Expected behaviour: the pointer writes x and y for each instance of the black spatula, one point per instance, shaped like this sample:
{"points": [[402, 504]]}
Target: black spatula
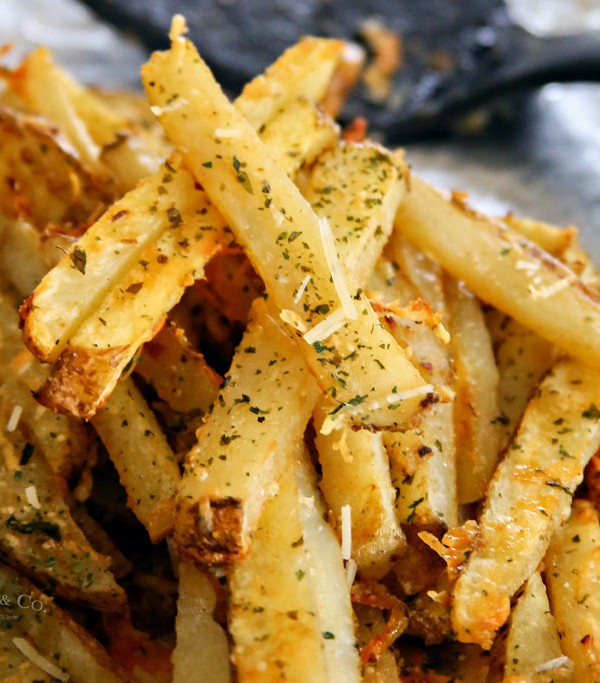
{"points": [[458, 54]]}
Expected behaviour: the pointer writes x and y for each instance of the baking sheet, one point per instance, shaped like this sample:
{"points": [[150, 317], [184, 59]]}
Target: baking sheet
{"points": [[545, 165]]}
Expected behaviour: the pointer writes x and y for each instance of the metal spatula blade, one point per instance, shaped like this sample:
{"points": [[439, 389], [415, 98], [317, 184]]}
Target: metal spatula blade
{"points": [[457, 54]]}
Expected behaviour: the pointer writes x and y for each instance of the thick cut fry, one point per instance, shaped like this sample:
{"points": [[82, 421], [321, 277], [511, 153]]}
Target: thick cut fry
{"points": [[37, 533], [528, 498], [476, 409], [529, 648], [355, 475], [56, 643], [179, 374], [290, 610], [297, 134], [261, 412], [73, 290], [21, 261], [572, 571], [141, 454], [285, 241], [550, 238], [66, 443], [202, 650], [355, 187], [304, 70], [504, 269], [422, 459], [42, 179], [523, 358]]}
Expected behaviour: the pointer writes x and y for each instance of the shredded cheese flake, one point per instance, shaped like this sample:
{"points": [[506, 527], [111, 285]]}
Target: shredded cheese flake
{"points": [[14, 418], [351, 569], [172, 106], [552, 664], [528, 266], [410, 393], [32, 497], [335, 267], [228, 132], [346, 516], [27, 650], [545, 292], [327, 327], [301, 289]]}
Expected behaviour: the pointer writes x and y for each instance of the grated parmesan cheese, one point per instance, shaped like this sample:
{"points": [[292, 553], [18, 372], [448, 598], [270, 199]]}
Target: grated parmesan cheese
{"points": [[27, 650], [32, 497], [14, 418], [410, 393], [327, 327], [171, 106], [335, 267], [351, 569], [528, 266], [346, 515], [545, 292], [301, 289], [552, 664], [228, 132]]}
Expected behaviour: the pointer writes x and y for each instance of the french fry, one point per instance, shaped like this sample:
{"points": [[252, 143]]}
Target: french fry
{"points": [[422, 459], [51, 185], [102, 256], [573, 577], [529, 648], [38, 535], [297, 134], [290, 610], [550, 238], [355, 475], [355, 187], [179, 374], [50, 638], [528, 497], [233, 166], [139, 450], [305, 69], [504, 269], [476, 409], [66, 443], [523, 358], [265, 401], [202, 650]]}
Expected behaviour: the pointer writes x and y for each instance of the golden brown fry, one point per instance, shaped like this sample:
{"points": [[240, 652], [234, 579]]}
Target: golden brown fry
{"points": [[202, 650], [572, 574], [290, 610], [266, 401], [141, 454], [529, 648], [476, 409], [59, 644], [504, 269], [37, 533], [528, 498]]}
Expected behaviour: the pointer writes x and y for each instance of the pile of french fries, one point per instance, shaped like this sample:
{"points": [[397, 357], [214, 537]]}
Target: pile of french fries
{"points": [[359, 419]]}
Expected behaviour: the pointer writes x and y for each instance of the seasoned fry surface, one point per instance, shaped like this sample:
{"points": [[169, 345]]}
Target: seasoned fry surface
{"points": [[278, 409]]}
